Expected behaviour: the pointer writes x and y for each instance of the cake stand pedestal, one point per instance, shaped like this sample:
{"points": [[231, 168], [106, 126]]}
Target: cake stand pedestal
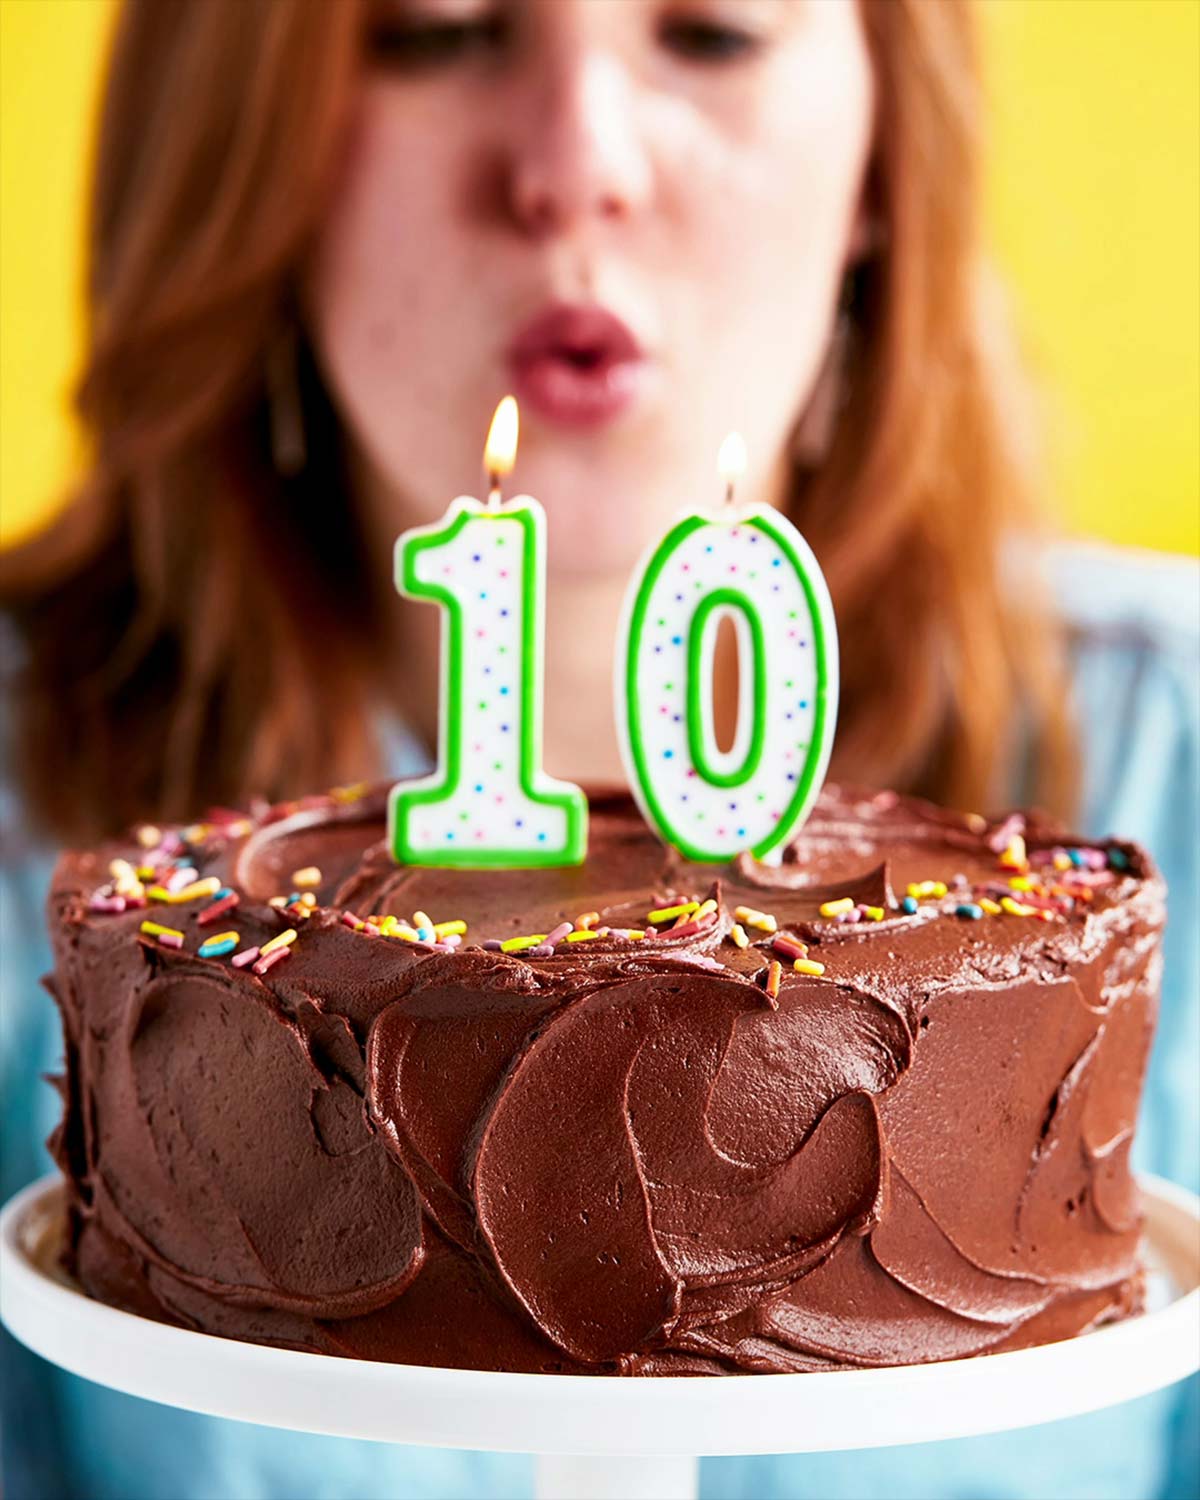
{"points": [[604, 1437]]}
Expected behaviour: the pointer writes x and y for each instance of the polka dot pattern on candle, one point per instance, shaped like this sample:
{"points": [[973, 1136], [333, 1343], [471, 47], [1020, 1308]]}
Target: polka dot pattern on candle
{"points": [[488, 804], [756, 569]]}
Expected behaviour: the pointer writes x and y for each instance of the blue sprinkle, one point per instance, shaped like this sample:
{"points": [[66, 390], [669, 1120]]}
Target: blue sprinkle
{"points": [[426, 934], [223, 892], [909, 906], [449, 833], [708, 548], [504, 614], [520, 822], [668, 755], [483, 593], [479, 786], [1118, 859], [741, 833], [677, 640], [218, 948], [475, 557], [541, 838], [777, 562], [1076, 856], [504, 692], [969, 911], [804, 703]]}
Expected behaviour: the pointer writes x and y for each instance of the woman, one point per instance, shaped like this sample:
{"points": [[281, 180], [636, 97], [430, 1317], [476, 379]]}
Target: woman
{"points": [[326, 238]]}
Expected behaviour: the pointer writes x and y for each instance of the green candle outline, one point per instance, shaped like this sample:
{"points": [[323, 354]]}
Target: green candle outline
{"points": [[823, 631], [542, 790]]}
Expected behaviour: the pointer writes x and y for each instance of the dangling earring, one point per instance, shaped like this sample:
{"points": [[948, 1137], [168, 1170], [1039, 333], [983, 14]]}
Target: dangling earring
{"points": [[289, 451]]}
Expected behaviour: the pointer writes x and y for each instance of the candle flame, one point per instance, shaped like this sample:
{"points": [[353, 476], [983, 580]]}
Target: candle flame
{"points": [[500, 451], [731, 460]]}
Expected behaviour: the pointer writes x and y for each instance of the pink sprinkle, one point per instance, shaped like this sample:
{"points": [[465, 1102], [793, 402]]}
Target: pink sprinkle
{"points": [[107, 903], [269, 959], [452, 940], [543, 950], [558, 934], [181, 878], [350, 920], [218, 908], [170, 940], [246, 956], [689, 929]]}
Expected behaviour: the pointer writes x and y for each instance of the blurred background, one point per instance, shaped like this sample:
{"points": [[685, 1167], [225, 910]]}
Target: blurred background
{"points": [[1093, 204]]}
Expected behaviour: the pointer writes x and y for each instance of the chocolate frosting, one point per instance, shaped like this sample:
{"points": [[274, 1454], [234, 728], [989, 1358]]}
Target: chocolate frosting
{"points": [[620, 1155]]}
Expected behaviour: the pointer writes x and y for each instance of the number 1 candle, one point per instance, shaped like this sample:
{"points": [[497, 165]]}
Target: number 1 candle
{"points": [[749, 564], [488, 804]]}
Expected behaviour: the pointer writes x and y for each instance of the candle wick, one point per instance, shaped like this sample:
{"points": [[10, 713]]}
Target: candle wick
{"points": [[729, 493], [493, 499]]}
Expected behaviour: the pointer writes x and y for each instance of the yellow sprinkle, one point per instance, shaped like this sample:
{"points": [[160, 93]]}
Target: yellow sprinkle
{"points": [[992, 908], [277, 901], [148, 836], [448, 929], [738, 933], [349, 793], [388, 925], [589, 919], [422, 919], [209, 886], [402, 930], [833, 908], [145, 872], [665, 913], [580, 936], [156, 929], [874, 912], [1016, 908], [239, 829], [306, 879], [774, 974], [515, 945], [1014, 857], [222, 937], [122, 869], [808, 966], [1022, 882], [1062, 862], [915, 889], [308, 899], [762, 920], [937, 888], [704, 909], [283, 940], [634, 932]]}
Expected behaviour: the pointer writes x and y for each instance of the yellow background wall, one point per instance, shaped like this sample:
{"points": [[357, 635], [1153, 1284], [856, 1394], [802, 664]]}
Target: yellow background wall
{"points": [[1094, 203]]}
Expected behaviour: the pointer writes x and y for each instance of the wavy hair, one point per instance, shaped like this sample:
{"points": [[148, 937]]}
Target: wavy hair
{"points": [[192, 623]]}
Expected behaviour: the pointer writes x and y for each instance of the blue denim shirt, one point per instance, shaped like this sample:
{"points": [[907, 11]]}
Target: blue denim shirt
{"points": [[1135, 620]]}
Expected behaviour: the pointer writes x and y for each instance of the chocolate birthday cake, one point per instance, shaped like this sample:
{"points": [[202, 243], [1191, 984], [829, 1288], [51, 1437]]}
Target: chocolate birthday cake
{"points": [[871, 1106]]}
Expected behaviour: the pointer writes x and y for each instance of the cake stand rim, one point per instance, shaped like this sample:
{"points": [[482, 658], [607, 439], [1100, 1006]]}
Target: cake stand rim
{"points": [[594, 1414]]}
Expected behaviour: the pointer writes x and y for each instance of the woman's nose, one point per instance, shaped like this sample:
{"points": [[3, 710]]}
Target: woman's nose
{"points": [[579, 154]]}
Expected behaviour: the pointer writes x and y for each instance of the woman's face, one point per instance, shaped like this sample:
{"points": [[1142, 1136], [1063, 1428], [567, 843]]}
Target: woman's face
{"points": [[633, 214]]}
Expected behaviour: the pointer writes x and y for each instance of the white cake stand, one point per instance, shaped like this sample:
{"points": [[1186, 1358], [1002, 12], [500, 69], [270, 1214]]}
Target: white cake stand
{"points": [[638, 1438]]}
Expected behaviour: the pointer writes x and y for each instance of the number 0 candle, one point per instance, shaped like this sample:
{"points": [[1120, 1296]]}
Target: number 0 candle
{"points": [[748, 564], [489, 803]]}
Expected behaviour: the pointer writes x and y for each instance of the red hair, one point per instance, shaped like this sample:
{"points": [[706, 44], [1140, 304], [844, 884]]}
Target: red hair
{"points": [[193, 626]]}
